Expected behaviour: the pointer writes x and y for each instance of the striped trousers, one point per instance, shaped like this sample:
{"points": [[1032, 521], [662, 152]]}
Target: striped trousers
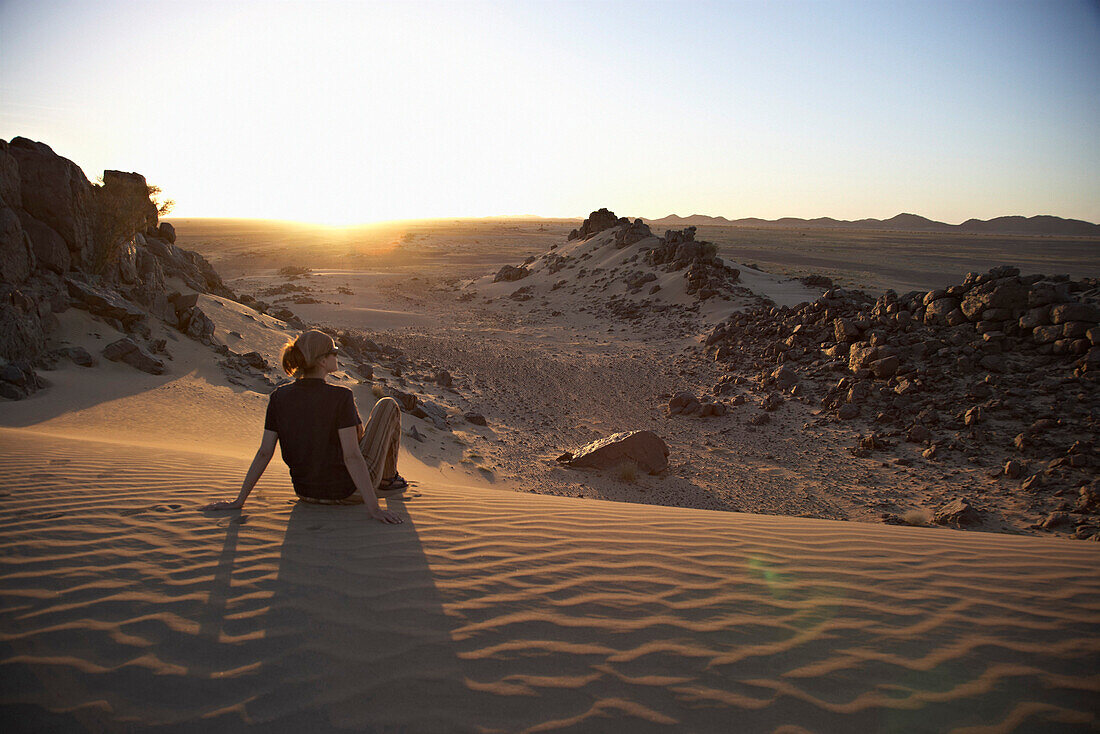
{"points": [[381, 440]]}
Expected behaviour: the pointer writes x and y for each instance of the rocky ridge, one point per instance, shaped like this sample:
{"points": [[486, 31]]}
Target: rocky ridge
{"points": [[620, 271]]}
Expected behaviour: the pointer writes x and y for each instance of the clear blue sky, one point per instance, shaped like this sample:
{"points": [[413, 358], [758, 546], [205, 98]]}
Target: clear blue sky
{"points": [[353, 112]]}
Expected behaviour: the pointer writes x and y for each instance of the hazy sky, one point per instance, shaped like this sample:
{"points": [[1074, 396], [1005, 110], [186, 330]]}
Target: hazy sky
{"points": [[359, 111]]}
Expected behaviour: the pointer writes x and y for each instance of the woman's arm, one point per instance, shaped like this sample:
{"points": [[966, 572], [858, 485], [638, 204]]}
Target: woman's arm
{"points": [[360, 474], [259, 464]]}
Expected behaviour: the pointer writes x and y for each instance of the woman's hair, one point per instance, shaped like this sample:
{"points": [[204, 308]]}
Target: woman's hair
{"points": [[300, 354]]}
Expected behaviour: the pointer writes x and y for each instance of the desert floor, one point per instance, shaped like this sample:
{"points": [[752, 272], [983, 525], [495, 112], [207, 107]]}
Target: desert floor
{"points": [[498, 606], [553, 373]]}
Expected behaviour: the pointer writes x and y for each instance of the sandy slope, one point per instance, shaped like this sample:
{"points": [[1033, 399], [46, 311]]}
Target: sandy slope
{"points": [[499, 611]]}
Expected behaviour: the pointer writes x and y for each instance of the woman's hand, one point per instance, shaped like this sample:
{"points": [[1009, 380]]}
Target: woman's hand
{"points": [[225, 505], [385, 516]]}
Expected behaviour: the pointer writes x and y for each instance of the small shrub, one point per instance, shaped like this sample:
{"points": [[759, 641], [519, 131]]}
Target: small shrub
{"points": [[917, 518]]}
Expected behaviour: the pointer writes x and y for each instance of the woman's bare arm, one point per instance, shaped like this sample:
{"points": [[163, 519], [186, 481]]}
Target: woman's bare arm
{"points": [[360, 474], [259, 464]]}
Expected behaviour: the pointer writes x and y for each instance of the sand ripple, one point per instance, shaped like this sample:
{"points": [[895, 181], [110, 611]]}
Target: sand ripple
{"points": [[123, 607]]}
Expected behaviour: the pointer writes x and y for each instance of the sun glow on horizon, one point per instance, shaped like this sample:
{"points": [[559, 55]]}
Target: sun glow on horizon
{"points": [[346, 113]]}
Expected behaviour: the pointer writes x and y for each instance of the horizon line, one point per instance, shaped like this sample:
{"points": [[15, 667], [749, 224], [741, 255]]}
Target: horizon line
{"points": [[380, 222]]}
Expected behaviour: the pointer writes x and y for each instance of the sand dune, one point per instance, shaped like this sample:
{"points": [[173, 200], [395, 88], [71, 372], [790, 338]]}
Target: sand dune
{"points": [[124, 607]]}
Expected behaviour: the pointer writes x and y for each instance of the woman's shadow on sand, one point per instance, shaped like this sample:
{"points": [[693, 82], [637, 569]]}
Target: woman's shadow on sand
{"points": [[350, 632]]}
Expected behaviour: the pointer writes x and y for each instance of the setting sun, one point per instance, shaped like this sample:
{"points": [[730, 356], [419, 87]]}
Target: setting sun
{"points": [[346, 112]]}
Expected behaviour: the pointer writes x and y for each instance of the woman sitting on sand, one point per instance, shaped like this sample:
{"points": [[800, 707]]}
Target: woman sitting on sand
{"points": [[333, 458]]}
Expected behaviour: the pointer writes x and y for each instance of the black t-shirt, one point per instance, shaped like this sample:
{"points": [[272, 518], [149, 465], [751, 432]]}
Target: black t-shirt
{"points": [[307, 414]]}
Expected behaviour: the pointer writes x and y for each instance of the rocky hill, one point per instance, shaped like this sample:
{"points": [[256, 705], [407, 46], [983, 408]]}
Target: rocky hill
{"points": [[616, 267]]}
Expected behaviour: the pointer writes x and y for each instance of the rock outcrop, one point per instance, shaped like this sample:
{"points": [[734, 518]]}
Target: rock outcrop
{"points": [[56, 252], [597, 222], [706, 273]]}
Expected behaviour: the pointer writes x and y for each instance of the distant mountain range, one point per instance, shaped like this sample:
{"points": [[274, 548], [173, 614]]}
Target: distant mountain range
{"points": [[1038, 225]]}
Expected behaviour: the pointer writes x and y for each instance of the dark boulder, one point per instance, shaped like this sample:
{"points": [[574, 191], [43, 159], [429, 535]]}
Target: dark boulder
{"points": [[643, 448]]}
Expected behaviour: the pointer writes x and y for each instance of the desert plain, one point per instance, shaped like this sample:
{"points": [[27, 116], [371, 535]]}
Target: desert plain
{"points": [[799, 572]]}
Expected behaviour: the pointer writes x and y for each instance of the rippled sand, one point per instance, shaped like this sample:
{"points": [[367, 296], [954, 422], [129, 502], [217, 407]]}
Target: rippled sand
{"points": [[124, 608]]}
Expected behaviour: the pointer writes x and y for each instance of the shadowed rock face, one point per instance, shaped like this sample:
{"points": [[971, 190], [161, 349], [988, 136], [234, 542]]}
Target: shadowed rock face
{"points": [[56, 192], [644, 448], [50, 250], [16, 252]]}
